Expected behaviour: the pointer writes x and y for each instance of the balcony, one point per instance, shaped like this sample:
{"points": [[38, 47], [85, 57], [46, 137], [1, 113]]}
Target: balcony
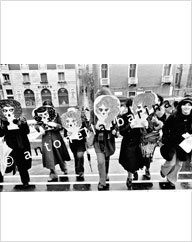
{"points": [[104, 81], [43, 82], [167, 79], [6, 83], [26, 83], [132, 81], [62, 82]]}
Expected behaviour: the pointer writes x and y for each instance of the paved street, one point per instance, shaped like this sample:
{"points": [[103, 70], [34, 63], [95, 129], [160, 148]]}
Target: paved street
{"points": [[117, 175]]}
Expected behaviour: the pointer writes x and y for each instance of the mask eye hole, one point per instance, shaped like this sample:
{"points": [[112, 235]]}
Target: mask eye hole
{"points": [[5, 110], [100, 109]]}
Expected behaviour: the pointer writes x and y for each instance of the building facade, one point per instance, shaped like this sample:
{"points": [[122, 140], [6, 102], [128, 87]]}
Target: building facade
{"points": [[31, 84], [127, 80]]}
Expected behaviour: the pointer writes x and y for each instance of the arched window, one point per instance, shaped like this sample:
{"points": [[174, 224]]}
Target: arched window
{"points": [[46, 95], [63, 96], [29, 98]]}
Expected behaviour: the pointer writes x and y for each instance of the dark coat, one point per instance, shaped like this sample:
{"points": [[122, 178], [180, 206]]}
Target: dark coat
{"points": [[104, 140], [176, 125], [18, 141], [130, 152], [54, 150]]}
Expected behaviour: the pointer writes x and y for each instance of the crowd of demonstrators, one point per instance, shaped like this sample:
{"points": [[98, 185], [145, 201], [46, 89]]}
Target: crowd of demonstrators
{"points": [[167, 126], [54, 150]]}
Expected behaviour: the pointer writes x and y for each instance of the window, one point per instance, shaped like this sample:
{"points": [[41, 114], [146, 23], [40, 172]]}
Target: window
{"points": [[14, 67], [131, 94], [29, 98], [6, 77], [51, 66], [167, 70], [44, 78], [46, 95], [33, 66], [9, 92], [63, 96], [132, 70], [26, 78], [69, 66], [178, 75], [61, 76], [104, 71], [10, 97]]}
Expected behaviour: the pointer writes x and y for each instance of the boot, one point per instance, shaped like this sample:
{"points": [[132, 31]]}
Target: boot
{"points": [[147, 175], [53, 176], [135, 176]]}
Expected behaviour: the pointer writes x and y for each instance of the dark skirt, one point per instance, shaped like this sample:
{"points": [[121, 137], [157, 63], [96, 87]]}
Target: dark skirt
{"points": [[130, 156]]}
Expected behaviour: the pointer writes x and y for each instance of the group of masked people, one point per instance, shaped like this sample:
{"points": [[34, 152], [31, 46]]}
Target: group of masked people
{"points": [[163, 129], [137, 145]]}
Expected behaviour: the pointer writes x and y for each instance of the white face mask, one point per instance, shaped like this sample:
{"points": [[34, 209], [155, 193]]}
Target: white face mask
{"points": [[44, 117], [71, 123], [186, 108], [9, 113]]}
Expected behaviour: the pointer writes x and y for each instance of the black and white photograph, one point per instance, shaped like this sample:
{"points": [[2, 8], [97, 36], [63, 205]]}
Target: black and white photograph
{"points": [[83, 127], [95, 152]]}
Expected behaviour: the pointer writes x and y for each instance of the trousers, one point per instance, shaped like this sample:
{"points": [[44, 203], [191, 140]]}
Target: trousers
{"points": [[170, 169]]}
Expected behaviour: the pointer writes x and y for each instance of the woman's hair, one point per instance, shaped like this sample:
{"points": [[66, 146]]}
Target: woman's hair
{"points": [[50, 110], [48, 103], [161, 99], [103, 91], [11, 103], [128, 104], [175, 104]]}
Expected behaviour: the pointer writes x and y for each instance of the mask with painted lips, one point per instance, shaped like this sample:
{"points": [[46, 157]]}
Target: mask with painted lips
{"points": [[44, 117], [9, 113]]}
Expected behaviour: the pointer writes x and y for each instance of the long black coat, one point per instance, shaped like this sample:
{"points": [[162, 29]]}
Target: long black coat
{"points": [[54, 150], [18, 141], [176, 125], [130, 153]]}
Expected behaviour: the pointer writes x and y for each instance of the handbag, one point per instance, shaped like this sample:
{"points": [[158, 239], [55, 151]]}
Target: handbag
{"points": [[90, 139], [152, 137]]}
